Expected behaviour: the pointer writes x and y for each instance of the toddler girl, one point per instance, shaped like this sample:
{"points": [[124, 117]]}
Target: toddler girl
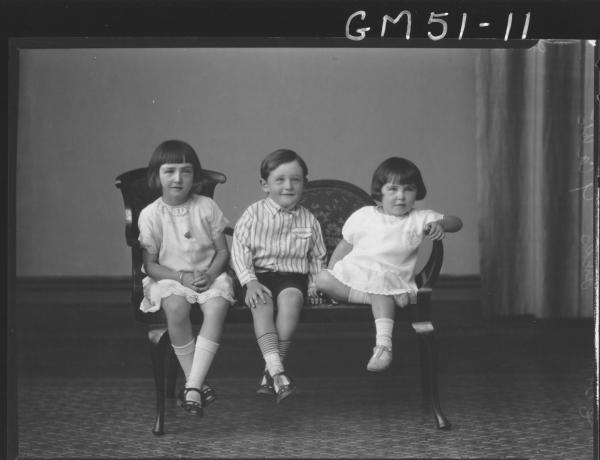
{"points": [[184, 254], [375, 260]]}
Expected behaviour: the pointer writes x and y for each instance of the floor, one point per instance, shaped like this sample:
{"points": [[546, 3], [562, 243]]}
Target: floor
{"points": [[516, 388]]}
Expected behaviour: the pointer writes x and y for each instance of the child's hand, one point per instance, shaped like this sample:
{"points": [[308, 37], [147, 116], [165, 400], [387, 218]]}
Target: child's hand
{"points": [[435, 230], [202, 280], [314, 296], [187, 280], [256, 293]]}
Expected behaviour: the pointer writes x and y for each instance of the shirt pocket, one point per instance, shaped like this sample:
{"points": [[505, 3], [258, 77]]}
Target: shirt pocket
{"points": [[301, 237], [302, 232]]}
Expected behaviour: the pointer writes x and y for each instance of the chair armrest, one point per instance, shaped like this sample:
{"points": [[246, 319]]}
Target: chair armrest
{"points": [[124, 183], [129, 229], [428, 276]]}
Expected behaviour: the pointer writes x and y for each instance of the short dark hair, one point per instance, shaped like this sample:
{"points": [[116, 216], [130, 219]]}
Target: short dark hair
{"points": [[275, 159], [171, 151], [399, 171]]}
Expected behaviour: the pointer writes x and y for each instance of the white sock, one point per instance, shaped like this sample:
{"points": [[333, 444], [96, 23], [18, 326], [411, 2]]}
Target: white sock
{"points": [[284, 346], [185, 356], [203, 358], [355, 296], [269, 347], [384, 328], [273, 363]]}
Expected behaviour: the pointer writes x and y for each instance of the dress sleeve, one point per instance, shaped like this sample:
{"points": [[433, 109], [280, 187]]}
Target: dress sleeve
{"points": [[241, 253], [427, 216], [150, 234], [351, 225], [218, 221]]}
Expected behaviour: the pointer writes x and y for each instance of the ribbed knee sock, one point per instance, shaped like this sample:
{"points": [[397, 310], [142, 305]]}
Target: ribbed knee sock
{"points": [[355, 296], [203, 357], [284, 346], [185, 356], [384, 328], [269, 347]]}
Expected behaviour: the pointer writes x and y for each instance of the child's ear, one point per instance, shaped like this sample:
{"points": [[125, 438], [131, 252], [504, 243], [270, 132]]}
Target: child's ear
{"points": [[264, 184]]}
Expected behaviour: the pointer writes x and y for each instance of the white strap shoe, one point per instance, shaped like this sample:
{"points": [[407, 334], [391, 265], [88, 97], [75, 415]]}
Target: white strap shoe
{"points": [[381, 359]]}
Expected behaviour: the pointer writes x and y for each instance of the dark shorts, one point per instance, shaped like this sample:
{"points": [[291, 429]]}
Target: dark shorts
{"points": [[278, 281]]}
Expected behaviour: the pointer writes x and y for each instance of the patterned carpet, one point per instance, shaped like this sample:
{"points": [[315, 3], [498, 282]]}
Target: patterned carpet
{"points": [[511, 394], [493, 417]]}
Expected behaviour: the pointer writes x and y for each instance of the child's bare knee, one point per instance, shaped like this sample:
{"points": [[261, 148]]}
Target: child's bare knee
{"points": [[323, 280], [263, 308], [216, 303], [215, 307], [176, 308], [291, 296]]}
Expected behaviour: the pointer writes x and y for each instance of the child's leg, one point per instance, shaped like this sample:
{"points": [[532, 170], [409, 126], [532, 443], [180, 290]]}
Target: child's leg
{"points": [[207, 343], [266, 335], [384, 310], [329, 284], [179, 326], [289, 306]]}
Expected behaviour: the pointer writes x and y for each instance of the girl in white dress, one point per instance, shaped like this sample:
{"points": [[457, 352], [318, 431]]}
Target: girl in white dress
{"points": [[374, 263], [185, 254]]}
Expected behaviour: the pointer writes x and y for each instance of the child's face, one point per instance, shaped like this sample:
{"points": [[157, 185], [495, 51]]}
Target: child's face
{"points": [[285, 184], [398, 199], [176, 180]]}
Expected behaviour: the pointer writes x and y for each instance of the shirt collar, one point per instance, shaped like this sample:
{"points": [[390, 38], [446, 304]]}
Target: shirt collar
{"points": [[274, 208]]}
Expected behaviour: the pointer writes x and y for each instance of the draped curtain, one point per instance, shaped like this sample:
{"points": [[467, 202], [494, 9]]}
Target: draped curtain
{"points": [[535, 179]]}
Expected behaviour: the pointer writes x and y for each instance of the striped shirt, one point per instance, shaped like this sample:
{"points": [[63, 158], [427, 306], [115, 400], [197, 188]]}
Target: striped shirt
{"points": [[268, 238]]}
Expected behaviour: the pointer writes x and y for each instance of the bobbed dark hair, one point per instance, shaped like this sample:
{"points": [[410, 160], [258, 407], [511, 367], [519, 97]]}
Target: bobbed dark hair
{"points": [[275, 159], [398, 171], [172, 151]]}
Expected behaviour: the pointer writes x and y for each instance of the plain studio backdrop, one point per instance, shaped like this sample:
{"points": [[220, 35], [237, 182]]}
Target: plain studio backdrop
{"points": [[499, 135], [87, 115]]}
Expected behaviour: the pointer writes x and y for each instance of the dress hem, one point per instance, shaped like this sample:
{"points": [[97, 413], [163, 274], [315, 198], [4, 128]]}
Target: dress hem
{"points": [[392, 293]]}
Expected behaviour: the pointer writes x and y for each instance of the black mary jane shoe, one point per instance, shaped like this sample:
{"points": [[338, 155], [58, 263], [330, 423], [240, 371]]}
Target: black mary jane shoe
{"points": [[283, 387], [191, 407], [265, 386], [207, 393]]}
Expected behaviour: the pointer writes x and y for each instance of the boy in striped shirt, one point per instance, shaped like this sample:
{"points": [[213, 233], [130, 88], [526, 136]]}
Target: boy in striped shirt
{"points": [[277, 251]]}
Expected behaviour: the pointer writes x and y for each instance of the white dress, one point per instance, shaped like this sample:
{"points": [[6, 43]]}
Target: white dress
{"points": [[384, 251], [182, 236]]}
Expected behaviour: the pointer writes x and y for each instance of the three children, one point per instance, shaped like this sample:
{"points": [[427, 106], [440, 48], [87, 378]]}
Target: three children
{"points": [[278, 255]]}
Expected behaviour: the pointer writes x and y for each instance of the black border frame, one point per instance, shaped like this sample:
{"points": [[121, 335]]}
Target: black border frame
{"points": [[249, 23]]}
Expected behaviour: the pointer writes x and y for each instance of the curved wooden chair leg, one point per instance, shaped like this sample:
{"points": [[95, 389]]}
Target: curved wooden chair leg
{"points": [[425, 382], [159, 343], [172, 371], [426, 334]]}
